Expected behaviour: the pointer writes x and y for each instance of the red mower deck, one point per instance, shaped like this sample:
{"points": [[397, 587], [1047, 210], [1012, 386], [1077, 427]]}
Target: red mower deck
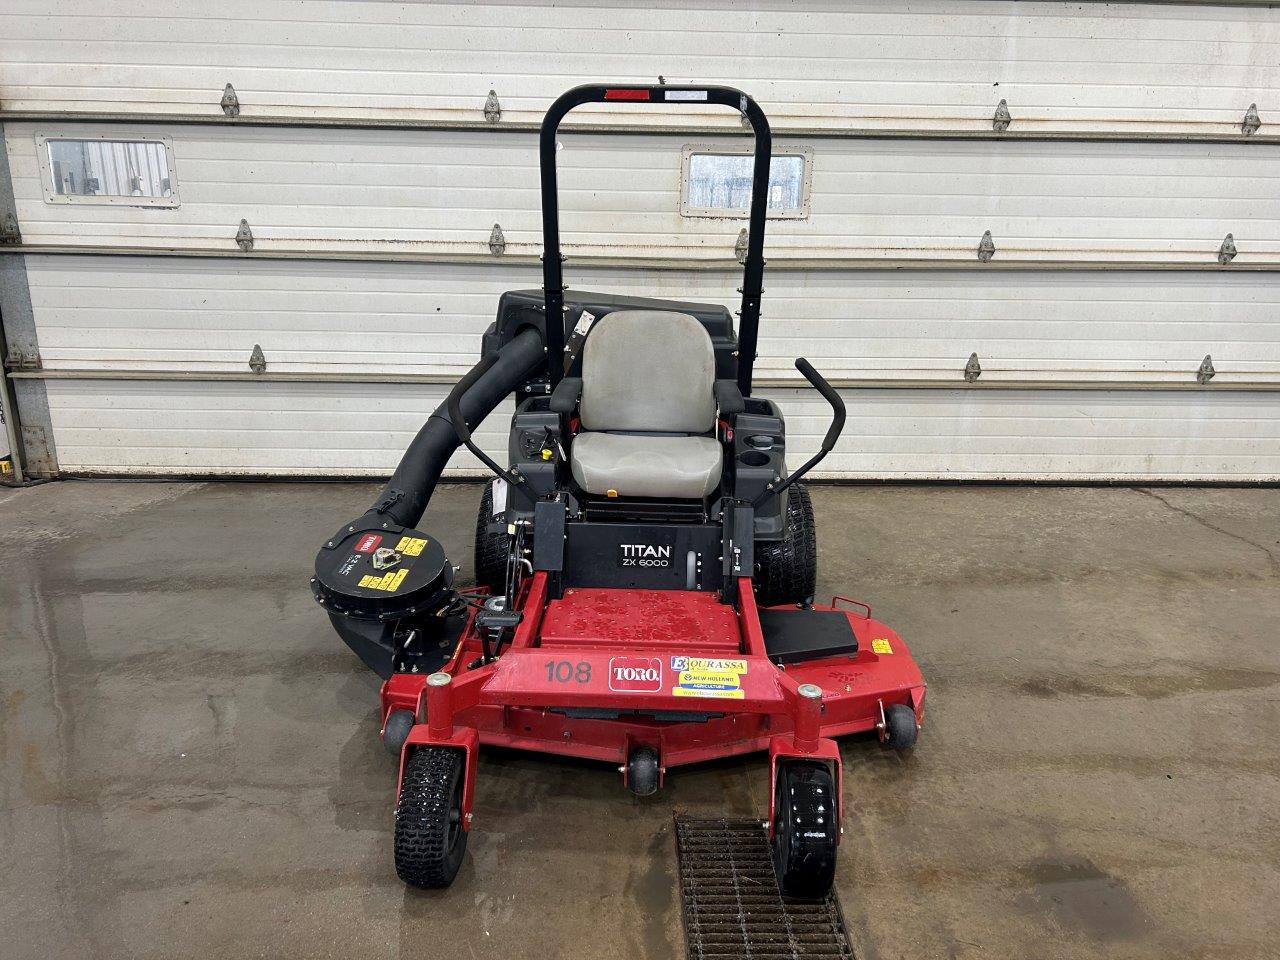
{"points": [[633, 664]]}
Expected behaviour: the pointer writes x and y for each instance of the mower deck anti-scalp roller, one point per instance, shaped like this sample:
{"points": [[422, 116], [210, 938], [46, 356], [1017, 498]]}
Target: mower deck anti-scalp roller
{"points": [[645, 563]]}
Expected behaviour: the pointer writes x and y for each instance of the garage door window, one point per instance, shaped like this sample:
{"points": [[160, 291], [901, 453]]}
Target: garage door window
{"points": [[715, 182], [102, 170]]}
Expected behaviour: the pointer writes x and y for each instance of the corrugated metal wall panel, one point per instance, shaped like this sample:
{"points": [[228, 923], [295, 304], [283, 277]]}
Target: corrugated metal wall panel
{"points": [[930, 67], [940, 64], [138, 313], [361, 429], [441, 192], [271, 428]]}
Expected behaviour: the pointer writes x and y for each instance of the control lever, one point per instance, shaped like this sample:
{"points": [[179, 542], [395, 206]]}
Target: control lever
{"points": [[828, 442], [454, 405]]}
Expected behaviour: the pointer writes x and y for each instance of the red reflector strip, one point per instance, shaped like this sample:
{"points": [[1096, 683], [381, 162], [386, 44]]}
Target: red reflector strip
{"points": [[631, 94]]}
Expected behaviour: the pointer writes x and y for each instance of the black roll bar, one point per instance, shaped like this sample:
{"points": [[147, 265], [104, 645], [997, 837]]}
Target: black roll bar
{"points": [[753, 269]]}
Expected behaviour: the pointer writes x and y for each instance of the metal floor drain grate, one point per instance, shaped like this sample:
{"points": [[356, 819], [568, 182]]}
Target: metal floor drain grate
{"points": [[732, 908]]}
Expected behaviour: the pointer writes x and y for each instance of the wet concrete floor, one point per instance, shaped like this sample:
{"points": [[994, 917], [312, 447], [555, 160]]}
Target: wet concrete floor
{"points": [[189, 764]]}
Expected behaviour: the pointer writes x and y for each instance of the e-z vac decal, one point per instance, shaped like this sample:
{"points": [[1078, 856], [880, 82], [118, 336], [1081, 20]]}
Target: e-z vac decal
{"points": [[708, 677], [635, 674]]}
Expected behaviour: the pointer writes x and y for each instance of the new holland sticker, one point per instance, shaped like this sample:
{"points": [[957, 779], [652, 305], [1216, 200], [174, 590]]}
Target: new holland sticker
{"points": [[708, 677]]}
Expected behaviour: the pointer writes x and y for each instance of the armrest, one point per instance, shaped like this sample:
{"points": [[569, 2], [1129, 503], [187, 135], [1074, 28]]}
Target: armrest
{"points": [[566, 395], [729, 398]]}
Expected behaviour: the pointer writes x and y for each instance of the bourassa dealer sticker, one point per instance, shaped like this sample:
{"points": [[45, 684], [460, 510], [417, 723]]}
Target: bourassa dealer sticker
{"points": [[708, 677], [635, 674]]}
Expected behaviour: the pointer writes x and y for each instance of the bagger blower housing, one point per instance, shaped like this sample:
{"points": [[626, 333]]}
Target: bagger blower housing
{"points": [[645, 562]]}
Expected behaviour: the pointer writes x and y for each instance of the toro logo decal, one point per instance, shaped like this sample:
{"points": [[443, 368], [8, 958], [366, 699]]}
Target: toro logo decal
{"points": [[635, 674], [368, 543]]}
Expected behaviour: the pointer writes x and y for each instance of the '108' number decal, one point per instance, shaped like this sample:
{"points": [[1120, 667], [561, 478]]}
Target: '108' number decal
{"points": [[562, 671]]}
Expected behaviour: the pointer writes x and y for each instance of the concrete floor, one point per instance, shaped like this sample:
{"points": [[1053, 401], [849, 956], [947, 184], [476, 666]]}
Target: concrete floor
{"points": [[190, 765]]}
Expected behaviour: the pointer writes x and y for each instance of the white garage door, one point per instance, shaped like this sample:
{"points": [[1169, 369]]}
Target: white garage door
{"points": [[1074, 262]]}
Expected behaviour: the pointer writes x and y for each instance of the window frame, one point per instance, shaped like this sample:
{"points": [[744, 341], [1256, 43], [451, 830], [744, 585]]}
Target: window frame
{"points": [[51, 195], [724, 213]]}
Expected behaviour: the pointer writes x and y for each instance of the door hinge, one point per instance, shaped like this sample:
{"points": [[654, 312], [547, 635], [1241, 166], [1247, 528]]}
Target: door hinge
{"points": [[1227, 252], [740, 248], [257, 359], [9, 231], [230, 103], [1000, 122], [1206, 371], [244, 237], [23, 360], [986, 247], [972, 369], [1251, 121], [492, 108], [497, 241]]}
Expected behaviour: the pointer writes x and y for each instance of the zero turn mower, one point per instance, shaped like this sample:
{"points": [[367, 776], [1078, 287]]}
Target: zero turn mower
{"points": [[645, 565]]}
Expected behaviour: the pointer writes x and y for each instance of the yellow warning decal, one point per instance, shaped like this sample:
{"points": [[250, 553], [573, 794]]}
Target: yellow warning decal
{"points": [[389, 582], [411, 546], [881, 645]]}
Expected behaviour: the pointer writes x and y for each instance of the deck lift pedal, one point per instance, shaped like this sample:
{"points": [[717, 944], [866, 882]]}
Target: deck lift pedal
{"points": [[645, 565]]}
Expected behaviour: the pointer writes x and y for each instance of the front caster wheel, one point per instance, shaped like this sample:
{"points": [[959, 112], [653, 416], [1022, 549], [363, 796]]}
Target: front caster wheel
{"points": [[429, 839], [900, 727], [396, 730], [805, 830], [642, 771]]}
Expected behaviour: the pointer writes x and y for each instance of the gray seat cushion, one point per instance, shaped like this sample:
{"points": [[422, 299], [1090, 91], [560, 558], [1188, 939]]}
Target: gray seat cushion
{"points": [[649, 371], [639, 466]]}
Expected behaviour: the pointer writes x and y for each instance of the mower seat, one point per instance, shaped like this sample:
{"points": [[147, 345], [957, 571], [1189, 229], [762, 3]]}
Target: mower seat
{"points": [[647, 409]]}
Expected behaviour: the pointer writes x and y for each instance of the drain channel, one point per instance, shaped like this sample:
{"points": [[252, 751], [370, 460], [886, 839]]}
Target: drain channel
{"points": [[732, 908]]}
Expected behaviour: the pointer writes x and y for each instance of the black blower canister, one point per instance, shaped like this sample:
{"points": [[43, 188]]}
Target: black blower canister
{"points": [[371, 571]]}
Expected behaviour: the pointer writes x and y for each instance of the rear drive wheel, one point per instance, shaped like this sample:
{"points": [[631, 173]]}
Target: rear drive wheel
{"points": [[787, 569], [491, 548], [429, 839], [805, 830]]}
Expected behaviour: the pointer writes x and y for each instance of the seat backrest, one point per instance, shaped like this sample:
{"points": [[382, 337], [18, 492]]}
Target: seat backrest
{"points": [[648, 371]]}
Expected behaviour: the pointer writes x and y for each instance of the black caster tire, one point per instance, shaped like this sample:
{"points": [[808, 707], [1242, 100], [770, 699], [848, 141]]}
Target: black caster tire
{"points": [[491, 548], [805, 831], [642, 772], [429, 839], [787, 569], [901, 728], [396, 730]]}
